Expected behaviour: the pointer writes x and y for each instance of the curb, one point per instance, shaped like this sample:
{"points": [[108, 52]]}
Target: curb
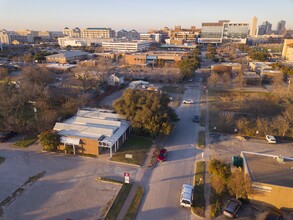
{"points": [[127, 164]]}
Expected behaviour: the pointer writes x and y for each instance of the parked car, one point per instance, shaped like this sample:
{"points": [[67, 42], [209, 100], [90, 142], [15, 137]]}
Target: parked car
{"points": [[186, 195], [195, 118], [188, 101], [271, 139], [232, 208], [272, 215], [6, 136], [162, 155]]}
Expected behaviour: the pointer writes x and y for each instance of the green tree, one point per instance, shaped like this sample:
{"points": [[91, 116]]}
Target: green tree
{"points": [[259, 55], [188, 66], [219, 168], [49, 140], [147, 111]]}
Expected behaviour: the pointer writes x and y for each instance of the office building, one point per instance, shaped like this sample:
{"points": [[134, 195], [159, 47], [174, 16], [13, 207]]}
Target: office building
{"points": [[287, 52], [129, 35], [152, 57], [98, 33], [211, 32], [79, 42], [91, 131], [235, 32], [223, 31], [281, 27], [271, 179], [253, 27], [67, 57], [152, 37], [76, 32], [130, 46]]}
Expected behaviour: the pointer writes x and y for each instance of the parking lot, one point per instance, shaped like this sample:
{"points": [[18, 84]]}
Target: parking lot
{"points": [[225, 146], [69, 188]]}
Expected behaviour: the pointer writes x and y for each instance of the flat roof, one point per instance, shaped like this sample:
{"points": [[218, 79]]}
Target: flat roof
{"points": [[267, 169], [100, 124]]}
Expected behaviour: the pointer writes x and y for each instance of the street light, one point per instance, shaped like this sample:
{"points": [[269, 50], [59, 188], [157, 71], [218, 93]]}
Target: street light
{"points": [[257, 133]]}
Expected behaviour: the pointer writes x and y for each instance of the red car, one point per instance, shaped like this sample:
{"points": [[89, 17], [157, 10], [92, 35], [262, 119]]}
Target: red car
{"points": [[162, 155]]}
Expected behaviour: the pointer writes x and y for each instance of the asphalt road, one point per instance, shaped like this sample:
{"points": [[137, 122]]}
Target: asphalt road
{"points": [[163, 183]]}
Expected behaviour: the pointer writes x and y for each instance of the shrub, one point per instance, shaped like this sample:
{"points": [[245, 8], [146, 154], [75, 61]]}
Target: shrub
{"points": [[49, 140]]}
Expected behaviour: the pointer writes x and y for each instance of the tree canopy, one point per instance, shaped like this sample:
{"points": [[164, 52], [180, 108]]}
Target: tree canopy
{"points": [[189, 65], [147, 111]]}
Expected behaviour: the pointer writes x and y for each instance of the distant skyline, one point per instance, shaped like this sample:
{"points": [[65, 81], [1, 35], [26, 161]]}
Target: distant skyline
{"points": [[55, 15]]}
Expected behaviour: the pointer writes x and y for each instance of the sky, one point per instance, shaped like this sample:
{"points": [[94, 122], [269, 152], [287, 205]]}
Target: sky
{"points": [[142, 15]]}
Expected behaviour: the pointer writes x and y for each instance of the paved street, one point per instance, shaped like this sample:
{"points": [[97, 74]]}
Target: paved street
{"points": [[163, 183], [68, 190]]}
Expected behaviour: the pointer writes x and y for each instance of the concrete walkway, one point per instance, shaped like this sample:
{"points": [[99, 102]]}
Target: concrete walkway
{"points": [[138, 179], [207, 187]]}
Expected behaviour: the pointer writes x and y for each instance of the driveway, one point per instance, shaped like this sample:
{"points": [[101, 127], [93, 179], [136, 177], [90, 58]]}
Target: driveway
{"points": [[163, 183], [69, 188]]}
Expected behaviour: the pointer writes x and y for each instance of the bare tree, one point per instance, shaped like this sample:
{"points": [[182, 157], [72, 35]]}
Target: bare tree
{"points": [[214, 80], [263, 125], [226, 121], [218, 184], [239, 81], [281, 123], [242, 125], [239, 184]]}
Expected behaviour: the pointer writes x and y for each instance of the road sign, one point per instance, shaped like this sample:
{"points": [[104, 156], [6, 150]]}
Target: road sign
{"points": [[127, 177]]}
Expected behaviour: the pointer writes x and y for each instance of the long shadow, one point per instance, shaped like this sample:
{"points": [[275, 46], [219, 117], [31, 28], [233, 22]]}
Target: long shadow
{"points": [[66, 191]]}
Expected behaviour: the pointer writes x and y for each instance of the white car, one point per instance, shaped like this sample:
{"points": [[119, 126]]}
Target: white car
{"points": [[188, 101], [271, 139], [186, 196]]}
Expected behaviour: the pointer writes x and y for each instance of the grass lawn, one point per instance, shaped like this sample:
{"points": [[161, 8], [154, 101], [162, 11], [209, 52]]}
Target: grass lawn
{"points": [[198, 192], [173, 89], [131, 213], [2, 159], [137, 146], [201, 139], [119, 201], [26, 141]]}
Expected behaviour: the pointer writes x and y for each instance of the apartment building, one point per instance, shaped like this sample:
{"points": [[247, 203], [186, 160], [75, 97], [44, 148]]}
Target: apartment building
{"points": [[130, 46], [180, 36], [98, 33]]}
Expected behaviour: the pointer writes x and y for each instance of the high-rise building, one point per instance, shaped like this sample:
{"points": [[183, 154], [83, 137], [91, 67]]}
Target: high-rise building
{"points": [[253, 27], [265, 28], [281, 27]]}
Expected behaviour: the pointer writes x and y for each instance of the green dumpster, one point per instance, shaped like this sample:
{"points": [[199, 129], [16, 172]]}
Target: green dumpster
{"points": [[237, 161]]}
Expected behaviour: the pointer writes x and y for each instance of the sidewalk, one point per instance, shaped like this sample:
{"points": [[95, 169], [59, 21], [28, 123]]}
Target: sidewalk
{"points": [[138, 179], [207, 187]]}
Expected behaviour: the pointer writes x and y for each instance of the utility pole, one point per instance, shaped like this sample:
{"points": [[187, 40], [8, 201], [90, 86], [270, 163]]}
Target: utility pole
{"points": [[288, 88]]}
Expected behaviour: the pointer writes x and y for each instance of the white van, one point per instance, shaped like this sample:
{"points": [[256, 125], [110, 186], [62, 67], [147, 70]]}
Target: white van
{"points": [[186, 195]]}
